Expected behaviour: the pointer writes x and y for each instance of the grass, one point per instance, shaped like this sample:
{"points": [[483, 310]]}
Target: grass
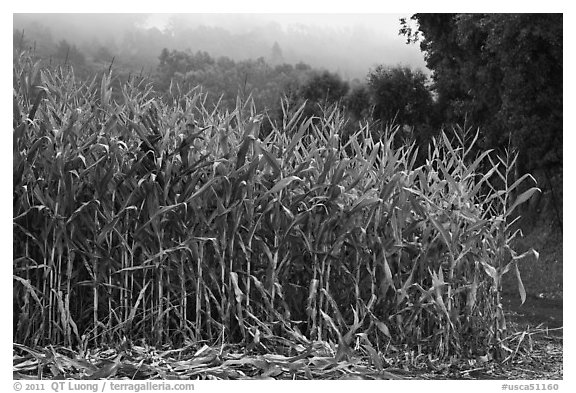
{"points": [[163, 221]]}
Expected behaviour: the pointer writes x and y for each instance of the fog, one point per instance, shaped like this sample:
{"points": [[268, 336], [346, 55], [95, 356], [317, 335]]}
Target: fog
{"points": [[350, 44]]}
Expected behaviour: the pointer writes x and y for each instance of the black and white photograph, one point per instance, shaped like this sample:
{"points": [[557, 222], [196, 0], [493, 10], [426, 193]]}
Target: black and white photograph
{"points": [[287, 196]]}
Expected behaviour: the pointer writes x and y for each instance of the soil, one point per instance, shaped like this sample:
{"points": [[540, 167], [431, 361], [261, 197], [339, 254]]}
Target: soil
{"points": [[541, 309]]}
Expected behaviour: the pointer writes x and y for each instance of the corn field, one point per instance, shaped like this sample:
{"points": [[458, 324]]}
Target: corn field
{"points": [[162, 220]]}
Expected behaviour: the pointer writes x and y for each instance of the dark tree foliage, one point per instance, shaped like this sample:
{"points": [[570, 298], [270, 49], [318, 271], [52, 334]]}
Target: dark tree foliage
{"points": [[501, 72], [321, 90], [358, 102], [400, 95], [324, 87]]}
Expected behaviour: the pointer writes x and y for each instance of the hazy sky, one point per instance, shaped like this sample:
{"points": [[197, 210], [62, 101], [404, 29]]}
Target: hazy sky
{"points": [[382, 23]]}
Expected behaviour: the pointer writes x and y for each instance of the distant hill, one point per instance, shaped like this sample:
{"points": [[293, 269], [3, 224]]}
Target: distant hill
{"points": [[350, 50]]}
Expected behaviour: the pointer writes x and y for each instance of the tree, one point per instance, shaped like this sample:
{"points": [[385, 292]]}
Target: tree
{"points": [[358, 102], [400, 94], [276, 57], [321, 90], [503, 72], [324, 87]]}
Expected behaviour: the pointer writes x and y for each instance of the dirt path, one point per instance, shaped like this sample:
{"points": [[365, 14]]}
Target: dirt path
{"points": [[535, 311]]}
